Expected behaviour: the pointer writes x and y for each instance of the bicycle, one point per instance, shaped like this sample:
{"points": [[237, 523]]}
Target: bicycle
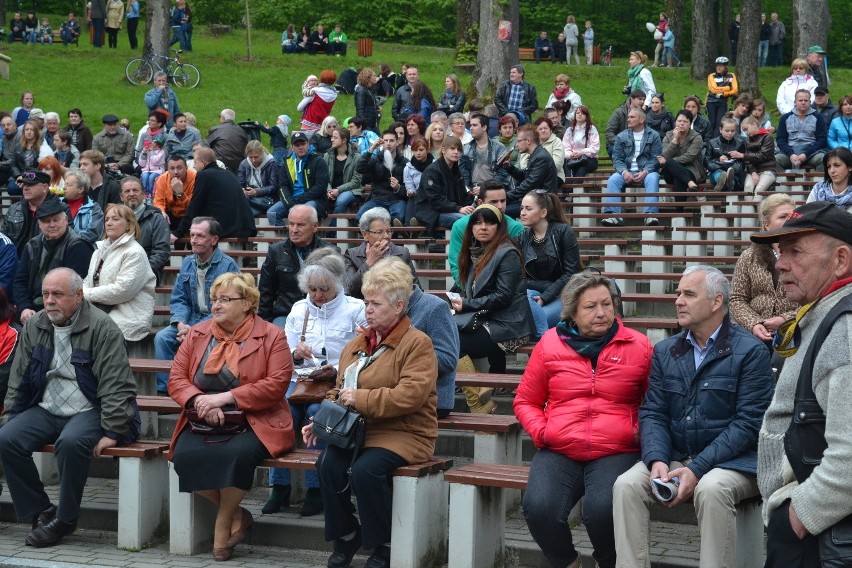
{"points": [[606, 57], [141, 70]]}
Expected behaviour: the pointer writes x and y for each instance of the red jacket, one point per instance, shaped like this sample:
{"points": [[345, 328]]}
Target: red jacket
{"points": [[265, 369], [583, 414]]}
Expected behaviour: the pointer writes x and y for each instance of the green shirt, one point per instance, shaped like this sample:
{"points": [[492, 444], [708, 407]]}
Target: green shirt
{"points": [[515, 228], [334, 37]]}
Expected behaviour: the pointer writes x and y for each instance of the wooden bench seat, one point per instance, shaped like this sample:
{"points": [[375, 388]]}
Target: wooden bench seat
{"points": [[142, 488], [478, 525]]}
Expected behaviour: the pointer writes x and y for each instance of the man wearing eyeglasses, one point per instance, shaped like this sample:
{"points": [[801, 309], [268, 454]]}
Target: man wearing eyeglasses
{"points": [[540, 172], [20, 224], [190, 302], [279, 287], [56, 246], [805, 443]]}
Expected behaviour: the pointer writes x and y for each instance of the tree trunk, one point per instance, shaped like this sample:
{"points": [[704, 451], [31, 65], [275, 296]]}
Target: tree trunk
{"points": [[494, 57], [747, 75], [467, 16], [157, 28], [724, 45], [675, 12], [3, 7], [812, 22], [704, 39]]}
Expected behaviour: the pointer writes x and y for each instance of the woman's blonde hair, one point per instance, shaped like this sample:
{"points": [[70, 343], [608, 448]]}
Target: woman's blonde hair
{"points": [[771, 203], [244, 285], [125, 213], [799, 62], [390, 277], [643, 59]]}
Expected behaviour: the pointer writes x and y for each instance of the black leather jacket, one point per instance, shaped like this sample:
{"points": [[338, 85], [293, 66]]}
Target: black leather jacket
{"points": [[279, 288], [540, 174], [503, 294], [372, 169], [441, 190], [560, 246], [366, 107]]}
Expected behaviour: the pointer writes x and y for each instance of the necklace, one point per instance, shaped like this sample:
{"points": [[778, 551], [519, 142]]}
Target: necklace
{"points": [[537, 240]]}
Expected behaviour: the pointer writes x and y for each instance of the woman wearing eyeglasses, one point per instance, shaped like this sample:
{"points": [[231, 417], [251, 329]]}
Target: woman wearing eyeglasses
{"points": [[318, 327], [375, 225], [234, 361], [120, 280], [798, 80]]}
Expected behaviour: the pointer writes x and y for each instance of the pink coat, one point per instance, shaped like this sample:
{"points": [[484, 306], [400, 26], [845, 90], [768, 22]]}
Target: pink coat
{"points": [[583, 414], [265, 369]]}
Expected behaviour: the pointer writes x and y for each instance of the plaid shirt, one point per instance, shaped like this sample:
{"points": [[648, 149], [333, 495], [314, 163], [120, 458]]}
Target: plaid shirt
{"points": [[516, 97]]}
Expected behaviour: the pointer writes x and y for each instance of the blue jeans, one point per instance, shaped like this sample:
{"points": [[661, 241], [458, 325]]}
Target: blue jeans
{"points": [[344, 201], [616, 184], [279, 210], [279, 154], [12, 186], [545, 316], [669, 57], [300, 413], [68, 37], [98, 24], [446, 220], [395, 207], [556, 483], [762, 52], [165, 348]]}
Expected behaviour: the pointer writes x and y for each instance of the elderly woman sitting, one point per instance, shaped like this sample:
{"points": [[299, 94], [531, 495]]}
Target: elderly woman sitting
{"points": [[375, 225], [87, 217], [239, 365], [388, 375], [120, 280], [318, 326]]}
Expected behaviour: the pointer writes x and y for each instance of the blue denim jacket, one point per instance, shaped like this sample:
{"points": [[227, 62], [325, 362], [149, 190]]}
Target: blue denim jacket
{"points": [[184, 304]]}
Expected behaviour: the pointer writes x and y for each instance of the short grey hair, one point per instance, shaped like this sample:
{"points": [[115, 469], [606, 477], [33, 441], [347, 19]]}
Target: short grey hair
{"points": [[52, 116], [374, 214], [300, 206], [75, 282], [715, 282], [438, 115], [83, 179], [639, 112], [323, 267], [159, 74], [581, 282], [228, 114], [456, 116]]}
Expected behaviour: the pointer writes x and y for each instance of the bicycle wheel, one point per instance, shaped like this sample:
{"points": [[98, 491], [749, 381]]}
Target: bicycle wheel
{"points": [[139, 71], [186, 75]]}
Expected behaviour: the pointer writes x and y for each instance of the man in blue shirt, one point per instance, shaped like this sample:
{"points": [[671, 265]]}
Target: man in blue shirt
{"points": [[709, 388], [304, 181]]}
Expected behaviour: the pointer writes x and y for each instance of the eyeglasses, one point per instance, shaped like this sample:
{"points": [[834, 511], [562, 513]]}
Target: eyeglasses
{"points": [[380, 232], [224, 300]]}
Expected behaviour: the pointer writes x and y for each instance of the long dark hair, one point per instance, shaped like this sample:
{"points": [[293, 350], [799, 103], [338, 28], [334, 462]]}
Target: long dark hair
{"points": [[501, 238], [419, 92], [585, 110]]}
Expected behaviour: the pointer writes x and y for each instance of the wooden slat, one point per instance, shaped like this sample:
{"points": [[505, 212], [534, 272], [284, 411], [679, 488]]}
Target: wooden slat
{"points": [[488, 475], [479, 422]]}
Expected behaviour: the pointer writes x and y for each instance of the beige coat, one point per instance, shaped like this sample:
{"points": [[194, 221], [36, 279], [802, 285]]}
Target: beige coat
{"points": [[396, 393], [115, 14]]}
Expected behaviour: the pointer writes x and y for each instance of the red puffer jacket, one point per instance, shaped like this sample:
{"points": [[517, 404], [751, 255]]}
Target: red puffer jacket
{"points": [[585, 414]]}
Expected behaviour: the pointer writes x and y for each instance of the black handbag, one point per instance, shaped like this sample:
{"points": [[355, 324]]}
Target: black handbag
{"points": [[470, 322], [339, 425]]}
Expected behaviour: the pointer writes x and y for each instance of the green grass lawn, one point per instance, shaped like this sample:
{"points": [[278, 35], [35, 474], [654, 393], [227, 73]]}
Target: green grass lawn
{"points": [[270, 83]]}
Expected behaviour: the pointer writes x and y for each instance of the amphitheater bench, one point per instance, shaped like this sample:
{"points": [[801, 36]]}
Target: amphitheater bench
{"points": [[142, 488], [419, 517], [490, 380], [478, 522]]}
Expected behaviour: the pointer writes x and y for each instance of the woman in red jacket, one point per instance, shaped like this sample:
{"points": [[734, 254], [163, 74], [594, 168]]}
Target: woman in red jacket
{"points": [[579, 402]]}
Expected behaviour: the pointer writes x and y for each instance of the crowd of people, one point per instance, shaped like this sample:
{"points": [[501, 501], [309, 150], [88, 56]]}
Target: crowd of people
{"points": [[102, 16], [612, 417]]}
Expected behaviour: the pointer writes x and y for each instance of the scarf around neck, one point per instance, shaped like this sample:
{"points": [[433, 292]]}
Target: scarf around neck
{"points": [[421, 165], [227, 351], [824, 192], [589, 347], [633, 77]]}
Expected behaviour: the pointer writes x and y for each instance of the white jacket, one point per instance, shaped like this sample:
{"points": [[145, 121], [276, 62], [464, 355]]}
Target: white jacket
{"points": [[126, 282], [330, 326], [786, 98]]}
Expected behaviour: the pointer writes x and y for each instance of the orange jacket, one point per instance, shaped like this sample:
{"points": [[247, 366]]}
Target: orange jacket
{"points": [[164, 197]]}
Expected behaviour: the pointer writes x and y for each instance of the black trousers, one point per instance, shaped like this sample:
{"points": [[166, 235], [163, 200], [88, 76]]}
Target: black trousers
{"points": [[478, 345], [371, 482], [783, 548], [676, 174], [132, 25]]}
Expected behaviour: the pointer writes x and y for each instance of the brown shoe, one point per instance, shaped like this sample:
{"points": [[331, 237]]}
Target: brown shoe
{"points": [[241, 533], [50, 534], [222, 554], [44, 517]]}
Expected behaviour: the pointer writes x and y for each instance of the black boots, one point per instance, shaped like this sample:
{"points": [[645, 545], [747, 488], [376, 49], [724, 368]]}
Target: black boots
{"points": [[278, 497]]}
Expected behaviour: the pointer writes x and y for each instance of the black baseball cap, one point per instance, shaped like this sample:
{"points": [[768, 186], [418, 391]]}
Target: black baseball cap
{"points": [[109, 119], [817, 91], [34, 177], [816, 217], [298, 136]]}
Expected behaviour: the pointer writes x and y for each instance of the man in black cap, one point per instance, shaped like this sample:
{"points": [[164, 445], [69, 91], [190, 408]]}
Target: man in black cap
{"points": [[56, 246], [823, 104], [304, 181], [20, 221], [803, 463], [116, 144]]}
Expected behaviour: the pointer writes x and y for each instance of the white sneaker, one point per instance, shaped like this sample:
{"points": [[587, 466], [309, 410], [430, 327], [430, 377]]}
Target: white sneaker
{"points": [[732, 178], [612, 222], [652, 222]]}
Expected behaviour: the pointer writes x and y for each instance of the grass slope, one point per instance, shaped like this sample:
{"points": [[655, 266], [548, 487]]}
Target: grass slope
{"points": [[270, 83]]}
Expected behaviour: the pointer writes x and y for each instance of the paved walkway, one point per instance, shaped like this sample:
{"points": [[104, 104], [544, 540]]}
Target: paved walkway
{"points": [[673, 545]]}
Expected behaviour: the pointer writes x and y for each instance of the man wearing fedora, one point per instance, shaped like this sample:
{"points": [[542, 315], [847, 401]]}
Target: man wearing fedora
{"points": [[805, 443]]}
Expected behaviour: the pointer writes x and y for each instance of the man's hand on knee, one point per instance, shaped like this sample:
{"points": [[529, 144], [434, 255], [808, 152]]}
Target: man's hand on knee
{"points": [[685, 490]]}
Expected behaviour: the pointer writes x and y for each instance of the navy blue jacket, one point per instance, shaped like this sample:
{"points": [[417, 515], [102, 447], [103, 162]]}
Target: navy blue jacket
{"points": [[712, 414]]}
